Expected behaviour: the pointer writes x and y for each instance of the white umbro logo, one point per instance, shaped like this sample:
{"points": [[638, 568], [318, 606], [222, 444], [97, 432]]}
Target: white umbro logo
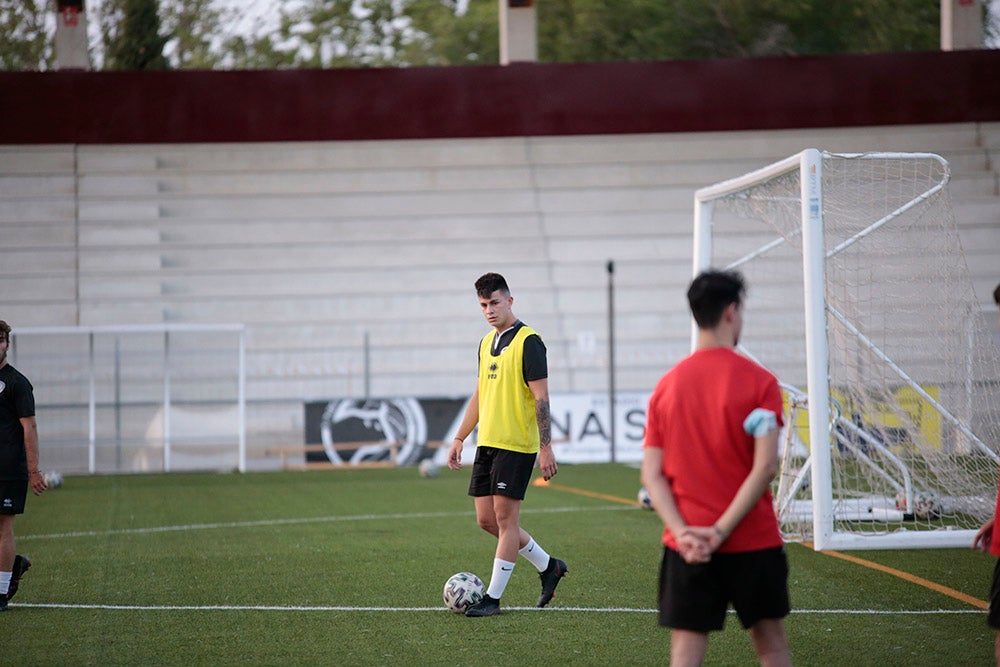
{"points": [[3, 385], [501, 485]]}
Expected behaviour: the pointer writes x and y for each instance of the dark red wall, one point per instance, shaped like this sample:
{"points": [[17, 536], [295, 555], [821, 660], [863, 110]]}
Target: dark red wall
{"points": [[493, 101]]}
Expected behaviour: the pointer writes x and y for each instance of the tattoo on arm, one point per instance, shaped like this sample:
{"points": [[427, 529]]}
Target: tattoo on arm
{"points": [[544, 423]]}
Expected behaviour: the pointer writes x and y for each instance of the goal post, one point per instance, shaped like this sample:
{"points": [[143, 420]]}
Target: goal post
{"points": [[137, 398], [863, 306]]}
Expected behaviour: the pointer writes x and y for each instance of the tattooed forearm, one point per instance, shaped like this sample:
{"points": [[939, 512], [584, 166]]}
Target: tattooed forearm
{"points": [[544, 423]]}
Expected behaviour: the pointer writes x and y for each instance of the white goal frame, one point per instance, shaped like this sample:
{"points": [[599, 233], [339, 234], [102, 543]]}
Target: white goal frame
{"points": [[163, 372], [809, 164]]}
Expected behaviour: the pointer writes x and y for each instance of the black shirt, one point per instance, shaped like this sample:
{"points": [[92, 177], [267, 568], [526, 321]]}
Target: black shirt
{"points": [[534, 365], [17, 400]]}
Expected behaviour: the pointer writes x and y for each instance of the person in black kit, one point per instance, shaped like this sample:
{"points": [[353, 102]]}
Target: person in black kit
{"points": [[18, 465]]}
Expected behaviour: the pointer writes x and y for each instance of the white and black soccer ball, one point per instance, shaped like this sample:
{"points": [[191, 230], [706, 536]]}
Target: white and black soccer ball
{"points": [[645, 502], [926, 505], [463, 590], [428, 468], [53, 479]]}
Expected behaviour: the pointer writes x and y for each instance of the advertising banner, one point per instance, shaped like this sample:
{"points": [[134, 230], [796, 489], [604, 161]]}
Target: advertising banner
{"points": [[406, 430]]}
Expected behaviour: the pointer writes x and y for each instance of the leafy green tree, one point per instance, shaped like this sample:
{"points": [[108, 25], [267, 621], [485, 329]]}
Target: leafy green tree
{"points": [[210, 34], [350, 33], [195, 33], [593, 30], [453, 37], [24, 43], [136, 44], [378, 33]]}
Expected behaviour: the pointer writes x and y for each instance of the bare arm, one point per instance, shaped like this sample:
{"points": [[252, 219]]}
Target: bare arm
{"points": [[469, 422], [35, 477], [697, 543], [690, 545], [660, 493], [984, 536], [763, 470], [546, 458]]}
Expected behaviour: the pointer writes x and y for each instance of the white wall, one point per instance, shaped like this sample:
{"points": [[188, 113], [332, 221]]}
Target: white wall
{"points": [[314, 245]]}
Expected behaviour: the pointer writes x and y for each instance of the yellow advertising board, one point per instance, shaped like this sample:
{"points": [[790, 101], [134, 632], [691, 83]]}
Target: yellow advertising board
{"points": [[902, 420]]}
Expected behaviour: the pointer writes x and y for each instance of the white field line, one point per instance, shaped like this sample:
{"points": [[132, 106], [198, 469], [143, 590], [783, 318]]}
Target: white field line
{"points": [[590, 610], [380, 517], [299, 521]]}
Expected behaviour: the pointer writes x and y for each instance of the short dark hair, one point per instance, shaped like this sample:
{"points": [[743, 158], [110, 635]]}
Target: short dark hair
{"points": [[489, 283], [996, 295], [4, 331], [711, 292]]}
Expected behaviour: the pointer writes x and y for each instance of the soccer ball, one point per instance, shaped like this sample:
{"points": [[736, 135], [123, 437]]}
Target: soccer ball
{"points": [[463, 590], [926, 504], [428, 468], [53, 479], [643, 497]]}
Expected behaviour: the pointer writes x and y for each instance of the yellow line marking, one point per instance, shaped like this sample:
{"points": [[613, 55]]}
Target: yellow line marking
{"points": [[583, 492], [906, 576]]}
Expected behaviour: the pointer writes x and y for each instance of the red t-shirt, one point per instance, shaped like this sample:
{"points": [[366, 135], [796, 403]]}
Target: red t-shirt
{"points": [[995, 537], [696, 416]]}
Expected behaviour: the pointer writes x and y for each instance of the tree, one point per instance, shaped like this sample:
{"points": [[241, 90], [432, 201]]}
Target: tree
{"points": [[589, 30], [345, 33], [135, 43], [24, 42], [195, 30], [453, 36], [218, 34]]}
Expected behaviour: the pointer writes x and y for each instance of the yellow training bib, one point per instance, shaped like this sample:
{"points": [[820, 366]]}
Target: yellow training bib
{"points": [[506, 404]]}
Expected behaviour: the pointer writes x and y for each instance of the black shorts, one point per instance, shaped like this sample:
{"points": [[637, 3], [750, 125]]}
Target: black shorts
{"points": [[13, 493], [501, 472], [695, 597], [993, 615]]}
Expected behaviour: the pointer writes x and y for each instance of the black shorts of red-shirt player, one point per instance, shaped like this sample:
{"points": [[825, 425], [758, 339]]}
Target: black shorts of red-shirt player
{"points": [[696, 597]]}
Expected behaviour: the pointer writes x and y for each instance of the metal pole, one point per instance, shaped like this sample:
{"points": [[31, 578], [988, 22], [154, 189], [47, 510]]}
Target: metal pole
{"points": [[241, 401], [166, 401], [611, 354], [118, 405], [92, 413], [368, 369]]}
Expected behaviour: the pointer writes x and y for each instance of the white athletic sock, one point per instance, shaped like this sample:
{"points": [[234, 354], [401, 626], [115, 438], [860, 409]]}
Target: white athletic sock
{"points": [[5, 582], [501, 575], [537, 555]]}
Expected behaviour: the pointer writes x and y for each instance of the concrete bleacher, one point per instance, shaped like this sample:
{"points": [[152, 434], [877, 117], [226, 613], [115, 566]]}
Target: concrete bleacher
{"points": [[319, 246]]}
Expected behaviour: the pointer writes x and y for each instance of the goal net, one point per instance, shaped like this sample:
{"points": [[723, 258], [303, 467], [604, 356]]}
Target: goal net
{"points": [[140, 398], [861, 302]]}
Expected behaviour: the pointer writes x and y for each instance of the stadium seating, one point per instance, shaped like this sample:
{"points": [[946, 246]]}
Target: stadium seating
{"points": [[317, 247]]}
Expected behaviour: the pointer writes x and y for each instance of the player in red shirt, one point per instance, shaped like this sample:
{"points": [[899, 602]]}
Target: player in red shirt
{"points": [[710, 454], [987, 538]]}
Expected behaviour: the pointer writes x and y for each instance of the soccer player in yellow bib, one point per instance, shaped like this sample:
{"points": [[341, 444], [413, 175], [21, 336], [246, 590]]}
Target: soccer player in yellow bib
{"points": [[511, 407]]}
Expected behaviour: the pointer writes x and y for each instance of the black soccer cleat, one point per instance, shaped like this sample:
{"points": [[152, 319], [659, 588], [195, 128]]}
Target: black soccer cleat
{"points": [[486, 607], [21, 565], [550, 579], [3, 603]]}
